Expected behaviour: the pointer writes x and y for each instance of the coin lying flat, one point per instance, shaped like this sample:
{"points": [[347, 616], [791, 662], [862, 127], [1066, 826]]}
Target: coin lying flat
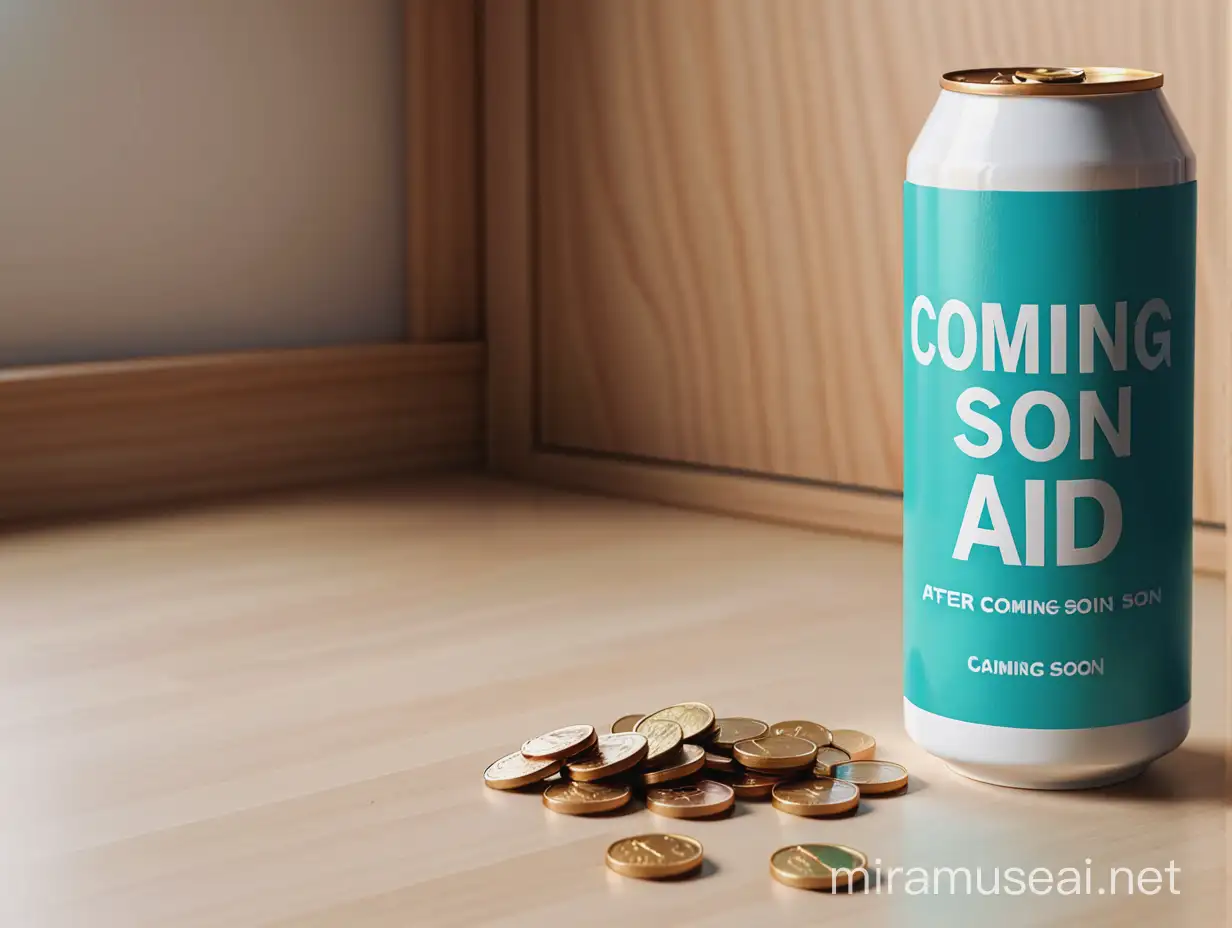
{"points": [[728, 731], [749, 785], [612, 754], [689, 759], [811, 731], [720, 763], [663, 737], [696, 720], [702, 799], [816, 798], [827, 757], [775, 752], [626, 723], [514, 771], [873, 776], [654, 857], [818, 866], [859, 745], [575, 798], [561, 743]]}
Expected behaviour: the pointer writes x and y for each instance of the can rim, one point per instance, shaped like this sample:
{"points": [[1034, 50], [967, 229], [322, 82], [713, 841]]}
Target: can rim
{"points": [[1045, 81]]}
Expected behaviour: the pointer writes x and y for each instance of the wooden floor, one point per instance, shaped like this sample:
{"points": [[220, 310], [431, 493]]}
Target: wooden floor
{"points": [[279, 713]]}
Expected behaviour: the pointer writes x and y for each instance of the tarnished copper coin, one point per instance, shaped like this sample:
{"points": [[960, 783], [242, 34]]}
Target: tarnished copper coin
{"points": [[612, 754], [687, 761], [816, 798], [514, 771], [561, 743], [728, 731], [702, 799], [873, 777], [857, 744], [811, 731], [749, 785], [626, 723], [827, 757], [772, 753], [818, 866], [573, 798], [720, 763], [696, 720], [655, 857], [663, 737]]}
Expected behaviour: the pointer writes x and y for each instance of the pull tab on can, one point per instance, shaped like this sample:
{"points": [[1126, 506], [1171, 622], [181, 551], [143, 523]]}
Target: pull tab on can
{"points": [[1050, 76], [1028, 80]]}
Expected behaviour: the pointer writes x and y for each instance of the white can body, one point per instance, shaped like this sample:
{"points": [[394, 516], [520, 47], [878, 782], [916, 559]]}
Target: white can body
{"points": [[1110, 142], [1115, 141]]}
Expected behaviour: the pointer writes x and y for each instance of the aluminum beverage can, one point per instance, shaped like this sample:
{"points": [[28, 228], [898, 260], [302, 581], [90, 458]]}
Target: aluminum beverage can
{"points": [[1048, 351]]}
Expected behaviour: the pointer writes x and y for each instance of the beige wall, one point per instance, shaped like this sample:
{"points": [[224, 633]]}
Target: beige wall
{"points": [[181, 176]]}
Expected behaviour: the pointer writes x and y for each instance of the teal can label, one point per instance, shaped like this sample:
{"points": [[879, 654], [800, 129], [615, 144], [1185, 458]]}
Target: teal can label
{"points": [[1048, 357]]}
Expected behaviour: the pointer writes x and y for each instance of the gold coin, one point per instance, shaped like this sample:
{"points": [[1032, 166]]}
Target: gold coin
{"points": [[702, 799], [720, 763], [561, 743], [612, 754], [750, 785], [818, 866], [827, 757], [859, 745], [873, 776], [663, 736], [514, 770], [810, 731], [626, 723], [574, 798], [690, 760], [655, 857], [817, 797], [728, 731], [775, 752], [696, 720]]}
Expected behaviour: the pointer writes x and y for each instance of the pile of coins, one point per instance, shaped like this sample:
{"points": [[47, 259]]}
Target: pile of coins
{"points": [[685, 763]]}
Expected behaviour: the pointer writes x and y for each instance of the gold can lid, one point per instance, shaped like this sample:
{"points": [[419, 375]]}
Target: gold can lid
{"points": [[1037, 81]]}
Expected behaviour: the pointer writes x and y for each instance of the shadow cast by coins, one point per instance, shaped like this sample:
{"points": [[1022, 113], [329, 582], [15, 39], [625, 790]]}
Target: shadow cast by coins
{"points": [[708, 869], [859, 888], [868, 884], [915, 784], [859, 810], [877, 797]]}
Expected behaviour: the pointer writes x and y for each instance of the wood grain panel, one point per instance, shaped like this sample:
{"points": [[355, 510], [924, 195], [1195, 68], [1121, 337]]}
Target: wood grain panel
{"points": [[443, 266], [719, 236], [509, 247], [101, 436]]}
